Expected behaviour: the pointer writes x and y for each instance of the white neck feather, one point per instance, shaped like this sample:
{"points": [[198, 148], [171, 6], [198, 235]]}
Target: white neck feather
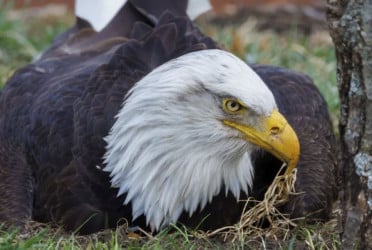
{"points": [[168, 150]]}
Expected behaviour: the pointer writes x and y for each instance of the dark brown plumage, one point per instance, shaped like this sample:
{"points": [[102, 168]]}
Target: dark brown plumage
{"points": [[55, 112]]}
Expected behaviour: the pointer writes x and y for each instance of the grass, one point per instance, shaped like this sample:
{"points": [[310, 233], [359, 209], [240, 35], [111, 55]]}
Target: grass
{"points": [[21, 41], [316, 236]]}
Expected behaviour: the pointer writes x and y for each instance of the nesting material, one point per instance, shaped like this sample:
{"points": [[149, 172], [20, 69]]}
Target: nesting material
{"points": [[250, 223]]}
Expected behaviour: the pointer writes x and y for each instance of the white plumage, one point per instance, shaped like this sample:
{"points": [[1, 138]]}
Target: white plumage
{"points": [[169, 149], [99, 13]]}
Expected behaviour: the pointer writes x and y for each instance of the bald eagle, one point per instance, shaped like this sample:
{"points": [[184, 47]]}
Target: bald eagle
{"points": [[151, 121]]}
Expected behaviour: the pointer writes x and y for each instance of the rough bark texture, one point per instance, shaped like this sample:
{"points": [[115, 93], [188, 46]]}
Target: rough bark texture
{"points": [[350, 23]]}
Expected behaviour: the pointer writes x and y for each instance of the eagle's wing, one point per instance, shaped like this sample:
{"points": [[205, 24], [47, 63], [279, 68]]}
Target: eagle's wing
{"points": [[306, 110]]}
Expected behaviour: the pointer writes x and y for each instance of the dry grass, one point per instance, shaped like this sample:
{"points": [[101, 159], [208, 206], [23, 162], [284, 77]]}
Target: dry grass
{"points": [[250, 224]]}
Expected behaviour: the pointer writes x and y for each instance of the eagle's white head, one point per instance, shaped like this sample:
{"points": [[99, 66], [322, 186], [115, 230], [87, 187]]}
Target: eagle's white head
{"points": [[189, 127]]}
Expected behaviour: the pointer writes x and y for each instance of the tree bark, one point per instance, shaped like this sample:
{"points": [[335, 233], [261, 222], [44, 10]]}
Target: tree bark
{"points": [[350, 24]]}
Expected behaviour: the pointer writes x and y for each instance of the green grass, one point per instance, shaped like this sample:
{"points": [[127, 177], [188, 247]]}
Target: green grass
{"points": [[21, 41], [317, 236], [46, 238]]}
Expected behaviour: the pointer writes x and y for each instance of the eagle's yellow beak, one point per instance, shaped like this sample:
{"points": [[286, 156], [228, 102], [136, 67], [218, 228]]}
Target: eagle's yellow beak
{"points": [[274, 135]]}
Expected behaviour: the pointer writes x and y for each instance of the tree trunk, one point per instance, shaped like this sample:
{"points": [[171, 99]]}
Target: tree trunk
{"points": [[350, 23]]}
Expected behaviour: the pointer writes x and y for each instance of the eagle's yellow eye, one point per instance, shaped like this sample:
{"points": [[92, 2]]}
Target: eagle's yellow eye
{"points": [[232, 105]]}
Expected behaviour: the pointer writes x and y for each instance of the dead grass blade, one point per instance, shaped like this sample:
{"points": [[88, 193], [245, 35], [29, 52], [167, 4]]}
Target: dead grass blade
{"points": [[250, 224]]}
